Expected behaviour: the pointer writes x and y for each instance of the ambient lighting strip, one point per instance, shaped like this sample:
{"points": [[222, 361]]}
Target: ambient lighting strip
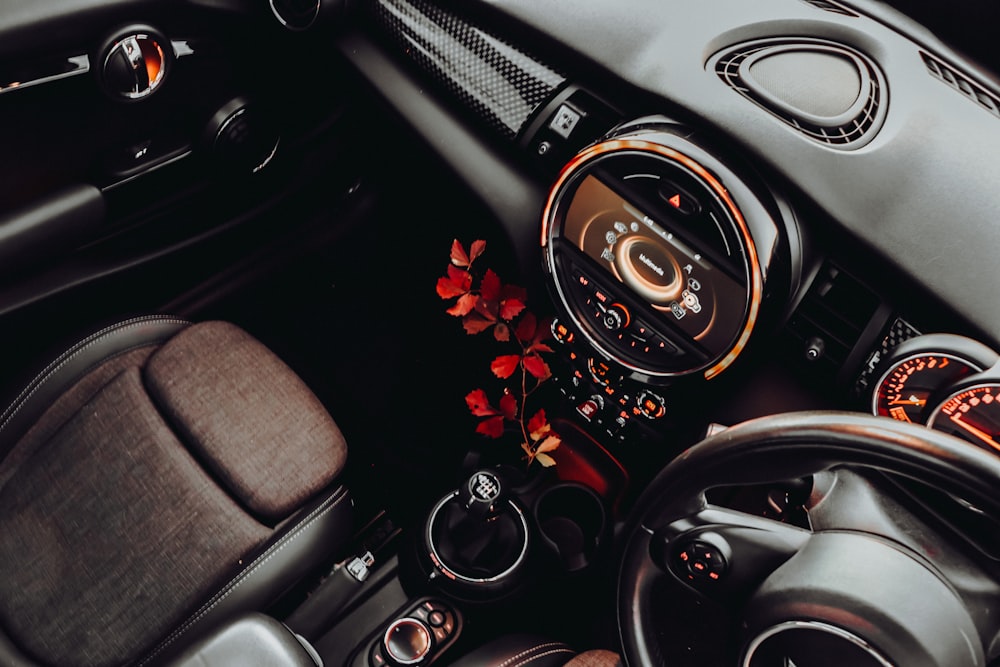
{"points": [[756, 279]]}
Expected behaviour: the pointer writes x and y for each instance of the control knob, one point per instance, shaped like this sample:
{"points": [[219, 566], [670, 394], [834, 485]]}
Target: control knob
{"points": [[615, 317], [652, 406], [407, 641]]}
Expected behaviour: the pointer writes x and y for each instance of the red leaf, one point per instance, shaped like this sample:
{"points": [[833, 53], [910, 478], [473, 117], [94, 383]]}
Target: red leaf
{"points": [[479, 404], [456, 283], [458, 255], [511, 308], [543, 332], [476, 249], [540, 347], [473, 324], [545, 460], [447, 289], [501, 332], [549, 444], [536, 366], [492, 427], [508, 406], [463, 306], [514, 292], [487, 309], [490, 287], [460, 277], [505, 365], [538, 425], [525, 329]]}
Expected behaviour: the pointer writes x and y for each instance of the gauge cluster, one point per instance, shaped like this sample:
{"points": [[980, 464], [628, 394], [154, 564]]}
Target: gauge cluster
{"points": [[947, 382]]}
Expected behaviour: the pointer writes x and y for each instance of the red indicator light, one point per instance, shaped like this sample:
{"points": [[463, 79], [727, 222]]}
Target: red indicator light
{"points": [[684, 556], [675, 201], [713, 575], [601, 296], [698, 566]]}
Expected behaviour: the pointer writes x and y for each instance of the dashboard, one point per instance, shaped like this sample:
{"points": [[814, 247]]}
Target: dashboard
{"points": [[797, 171], [703, 187]]}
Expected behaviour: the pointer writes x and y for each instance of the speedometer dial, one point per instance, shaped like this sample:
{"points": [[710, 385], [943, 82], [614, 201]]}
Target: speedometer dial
{"points": [[972, 414], [921, 369], [902, 393]]}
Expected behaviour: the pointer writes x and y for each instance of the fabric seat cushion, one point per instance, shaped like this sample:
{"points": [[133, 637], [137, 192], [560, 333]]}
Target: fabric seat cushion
{"points": [[145, 488], [115, 521], [247, 416]]}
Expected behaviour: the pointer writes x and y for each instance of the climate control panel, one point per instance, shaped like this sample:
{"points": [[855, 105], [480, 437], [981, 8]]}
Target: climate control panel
{"points": [[610, 404]]}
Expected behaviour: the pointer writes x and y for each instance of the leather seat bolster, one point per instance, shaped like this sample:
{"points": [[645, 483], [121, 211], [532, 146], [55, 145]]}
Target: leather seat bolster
{"points": [[252, 639], [11, 656], [304, 542], [519, 650], [75, 363]]}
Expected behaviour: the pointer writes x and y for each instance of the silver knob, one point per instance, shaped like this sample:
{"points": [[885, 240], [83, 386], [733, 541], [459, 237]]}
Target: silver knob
{"points": [[407, 641]]}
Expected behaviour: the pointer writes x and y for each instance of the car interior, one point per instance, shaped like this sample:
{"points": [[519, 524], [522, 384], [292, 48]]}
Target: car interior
{"points": [[497, 333]]}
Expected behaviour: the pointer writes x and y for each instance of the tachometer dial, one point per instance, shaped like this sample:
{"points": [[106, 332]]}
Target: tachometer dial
{"points": [[923, 367], [972, 413]]}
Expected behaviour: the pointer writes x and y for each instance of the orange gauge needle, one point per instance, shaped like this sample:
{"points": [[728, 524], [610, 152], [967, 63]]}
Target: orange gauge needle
{"points": [[913, 400], [969, 428]]}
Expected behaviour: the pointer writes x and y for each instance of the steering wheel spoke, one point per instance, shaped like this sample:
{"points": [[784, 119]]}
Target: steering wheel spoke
{"points": [[865, 586], [723, 553]]}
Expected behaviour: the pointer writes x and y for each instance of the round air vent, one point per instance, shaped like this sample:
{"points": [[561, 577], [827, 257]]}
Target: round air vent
{"points": [[826, 91]]}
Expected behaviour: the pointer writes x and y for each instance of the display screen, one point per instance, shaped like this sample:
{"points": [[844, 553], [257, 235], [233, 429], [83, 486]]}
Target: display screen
{"points": [[676, 279]]}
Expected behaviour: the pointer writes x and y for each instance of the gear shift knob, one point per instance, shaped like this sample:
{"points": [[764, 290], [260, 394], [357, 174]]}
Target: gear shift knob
{"points": [[480, 495]]}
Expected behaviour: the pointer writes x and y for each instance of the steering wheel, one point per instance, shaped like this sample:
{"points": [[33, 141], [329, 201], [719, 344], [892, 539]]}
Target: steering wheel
{"points": [[874, 580]]}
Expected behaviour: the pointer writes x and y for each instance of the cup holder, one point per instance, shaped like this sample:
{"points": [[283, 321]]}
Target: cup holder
{"points": [[572, 523]]}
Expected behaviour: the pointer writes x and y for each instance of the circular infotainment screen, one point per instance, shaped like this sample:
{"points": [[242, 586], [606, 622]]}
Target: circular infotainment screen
{"points": [[652, 259]]}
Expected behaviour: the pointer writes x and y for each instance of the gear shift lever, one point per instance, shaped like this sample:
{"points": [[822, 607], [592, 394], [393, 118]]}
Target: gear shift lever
{"points": [[477, 537]]}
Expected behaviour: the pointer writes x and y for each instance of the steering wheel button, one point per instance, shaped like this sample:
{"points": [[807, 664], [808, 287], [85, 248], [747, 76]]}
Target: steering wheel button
{"points": [[700, 561]]}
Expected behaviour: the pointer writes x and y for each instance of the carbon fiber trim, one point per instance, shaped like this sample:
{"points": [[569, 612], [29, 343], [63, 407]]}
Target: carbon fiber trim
{"points": [[498, 82], [898, 332]]}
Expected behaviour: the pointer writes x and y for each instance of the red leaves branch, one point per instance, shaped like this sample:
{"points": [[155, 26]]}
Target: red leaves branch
{"points": [[494, 305]]}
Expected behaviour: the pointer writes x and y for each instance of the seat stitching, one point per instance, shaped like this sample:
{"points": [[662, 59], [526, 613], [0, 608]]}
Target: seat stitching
{"points": [[236, 581], [508, 662], [542, 655], [39, 381]]}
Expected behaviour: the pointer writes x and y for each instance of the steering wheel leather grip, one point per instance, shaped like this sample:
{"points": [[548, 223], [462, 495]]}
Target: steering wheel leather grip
{"points": [[873, 599]]}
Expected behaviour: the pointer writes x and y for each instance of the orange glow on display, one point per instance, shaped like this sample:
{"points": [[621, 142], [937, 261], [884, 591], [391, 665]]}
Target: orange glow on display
{"points": [[659, 272]]}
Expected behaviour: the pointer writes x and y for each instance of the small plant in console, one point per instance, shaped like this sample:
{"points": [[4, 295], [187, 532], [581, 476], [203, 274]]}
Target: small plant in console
{"points": [[485, 303]]}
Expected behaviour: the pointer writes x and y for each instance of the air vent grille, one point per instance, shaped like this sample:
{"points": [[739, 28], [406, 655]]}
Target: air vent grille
{"points": [[497, 81], [865, 86], [832, 7], [962, 84], [836, 310]]}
